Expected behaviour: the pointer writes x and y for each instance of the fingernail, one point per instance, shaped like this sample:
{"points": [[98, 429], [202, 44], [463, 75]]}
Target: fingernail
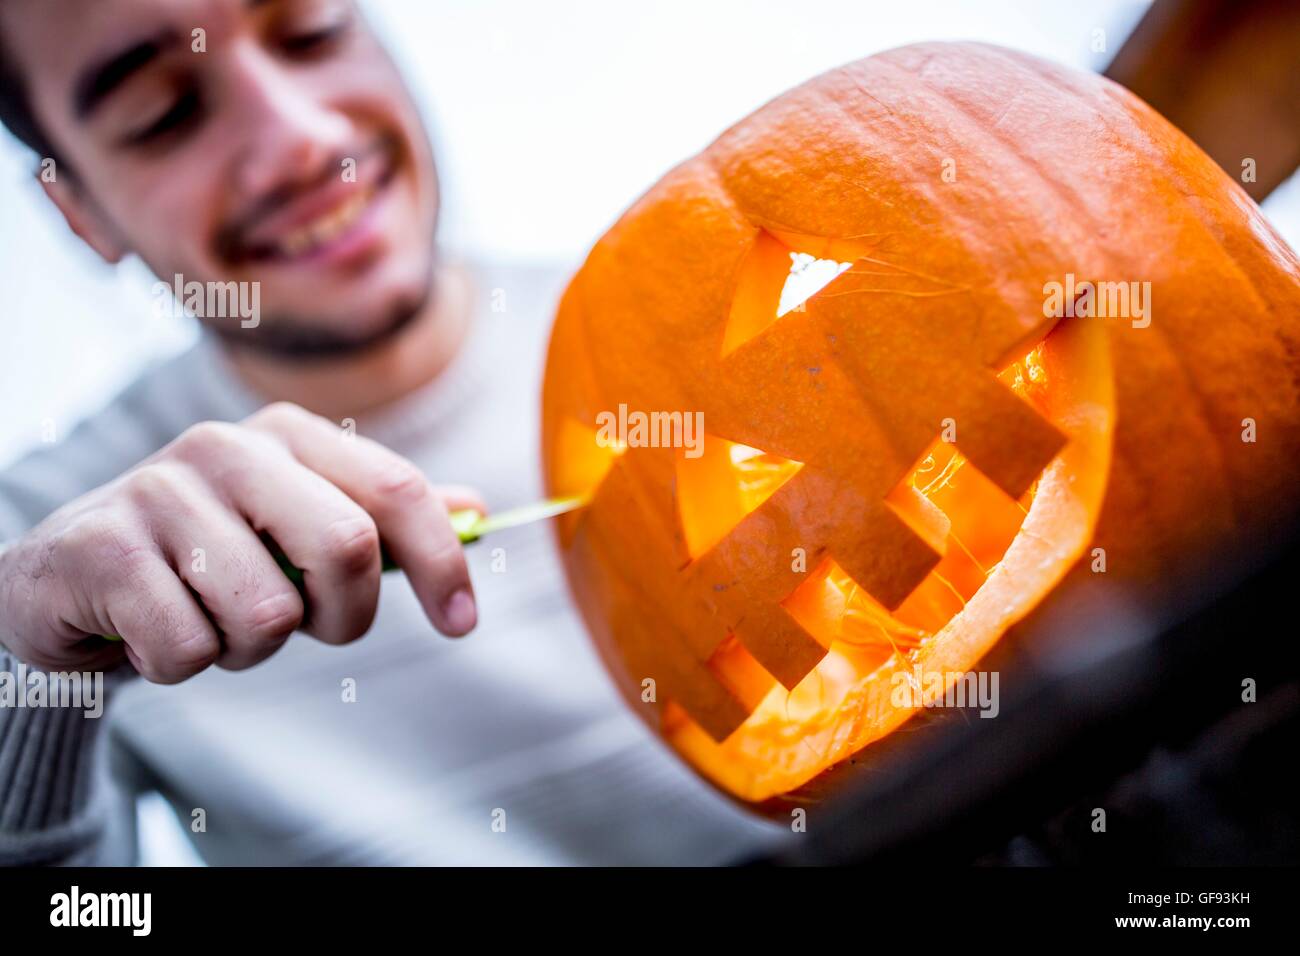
{"points": [[459, 612]]}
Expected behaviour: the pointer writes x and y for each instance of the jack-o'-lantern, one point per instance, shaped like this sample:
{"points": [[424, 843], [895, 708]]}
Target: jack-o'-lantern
{"points": [[961, 328]]}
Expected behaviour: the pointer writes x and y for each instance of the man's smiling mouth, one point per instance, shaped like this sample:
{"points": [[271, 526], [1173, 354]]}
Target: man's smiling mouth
{"points": [[324, 229], [312, 224]]}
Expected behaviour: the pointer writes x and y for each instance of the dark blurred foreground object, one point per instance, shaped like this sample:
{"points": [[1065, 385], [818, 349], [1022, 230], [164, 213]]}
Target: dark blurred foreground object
{"points": [[1227, 73], [1147, 725]]}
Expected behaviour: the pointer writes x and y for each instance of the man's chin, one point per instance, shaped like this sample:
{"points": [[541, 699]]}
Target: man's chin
{"points": [[295, 338]]}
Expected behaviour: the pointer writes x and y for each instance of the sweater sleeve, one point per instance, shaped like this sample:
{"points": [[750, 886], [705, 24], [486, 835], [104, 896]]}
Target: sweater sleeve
{"points": [[56, 804], [57, 801]]}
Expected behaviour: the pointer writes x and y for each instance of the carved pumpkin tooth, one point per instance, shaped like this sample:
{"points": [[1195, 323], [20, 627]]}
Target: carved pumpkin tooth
{"points": [[926, 414]]}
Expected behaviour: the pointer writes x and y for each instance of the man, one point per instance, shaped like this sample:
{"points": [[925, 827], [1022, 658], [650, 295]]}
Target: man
{"points": [[272, 144]]}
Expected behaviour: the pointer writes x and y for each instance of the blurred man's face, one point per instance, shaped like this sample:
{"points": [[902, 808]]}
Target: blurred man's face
{"points": [[289, 152]]}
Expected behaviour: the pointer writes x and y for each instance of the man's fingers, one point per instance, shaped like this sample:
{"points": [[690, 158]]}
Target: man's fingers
{"points": [[46, 622], [167, 636], [170, 557], [321, 531], [63, 649], [254, 605], [410, 515], [430, 553], [99, 574]]}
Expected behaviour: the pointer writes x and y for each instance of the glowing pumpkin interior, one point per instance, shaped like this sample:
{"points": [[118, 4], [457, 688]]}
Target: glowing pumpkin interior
{"points": [[996, 555], [829, 302]]}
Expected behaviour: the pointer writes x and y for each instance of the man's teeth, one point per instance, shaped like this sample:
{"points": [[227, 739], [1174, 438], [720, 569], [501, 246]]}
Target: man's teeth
{"points": [[327, 228]]}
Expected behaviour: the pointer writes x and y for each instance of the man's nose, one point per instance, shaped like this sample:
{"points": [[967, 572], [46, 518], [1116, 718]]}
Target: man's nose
{"points": [[286, 133]]}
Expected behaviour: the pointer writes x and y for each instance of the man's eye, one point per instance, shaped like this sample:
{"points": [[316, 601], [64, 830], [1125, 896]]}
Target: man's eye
{"points": [[310, 42], [181, 115]]}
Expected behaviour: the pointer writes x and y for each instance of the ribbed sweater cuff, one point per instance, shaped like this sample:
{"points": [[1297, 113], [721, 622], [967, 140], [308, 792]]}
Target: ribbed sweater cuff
{"points": [[49, 767]]}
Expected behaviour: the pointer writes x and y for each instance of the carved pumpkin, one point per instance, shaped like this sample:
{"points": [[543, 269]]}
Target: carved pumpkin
{"points": [[953, 432]]}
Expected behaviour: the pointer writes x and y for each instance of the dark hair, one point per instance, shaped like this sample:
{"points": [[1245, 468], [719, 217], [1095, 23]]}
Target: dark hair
{"points": [[16, 107]]}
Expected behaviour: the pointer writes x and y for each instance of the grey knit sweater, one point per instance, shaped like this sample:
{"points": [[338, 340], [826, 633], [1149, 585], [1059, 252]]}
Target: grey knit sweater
{"points": [[508, 747]]}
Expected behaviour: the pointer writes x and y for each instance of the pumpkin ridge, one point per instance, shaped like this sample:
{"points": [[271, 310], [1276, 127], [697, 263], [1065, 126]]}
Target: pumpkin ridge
{"points": [[1132, 136], [1193, 218], [1065, 198], [1128, 109], [1201, 409], [1067, 195]]}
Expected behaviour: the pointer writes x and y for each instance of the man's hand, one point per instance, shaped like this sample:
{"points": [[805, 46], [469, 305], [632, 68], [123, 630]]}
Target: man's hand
{"points": [[121, 559]]}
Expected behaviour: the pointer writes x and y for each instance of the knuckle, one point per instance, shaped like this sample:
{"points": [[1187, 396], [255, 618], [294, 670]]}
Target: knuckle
{"points": [[352, 629], [186, 650], [353, 545], [274, 618], [448, 568], [206, 442], [155, 484], [106, 545], [400, 485], [448, 558], [281, 415]]}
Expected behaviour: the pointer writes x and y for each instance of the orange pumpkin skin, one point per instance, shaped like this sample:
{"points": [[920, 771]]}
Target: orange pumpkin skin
{"points": [[960, 180]]}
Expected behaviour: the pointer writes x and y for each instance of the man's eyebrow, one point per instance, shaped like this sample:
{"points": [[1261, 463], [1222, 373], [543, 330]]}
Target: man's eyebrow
{"points": [[100, 80]]}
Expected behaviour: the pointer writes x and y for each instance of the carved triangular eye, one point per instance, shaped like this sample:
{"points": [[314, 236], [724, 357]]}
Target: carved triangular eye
{"points": [[774, 279], [808, 276], [726, 482], [783, 270]]}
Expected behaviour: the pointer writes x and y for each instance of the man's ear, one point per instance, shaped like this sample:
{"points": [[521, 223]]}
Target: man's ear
{"points": [[84, 218]]}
